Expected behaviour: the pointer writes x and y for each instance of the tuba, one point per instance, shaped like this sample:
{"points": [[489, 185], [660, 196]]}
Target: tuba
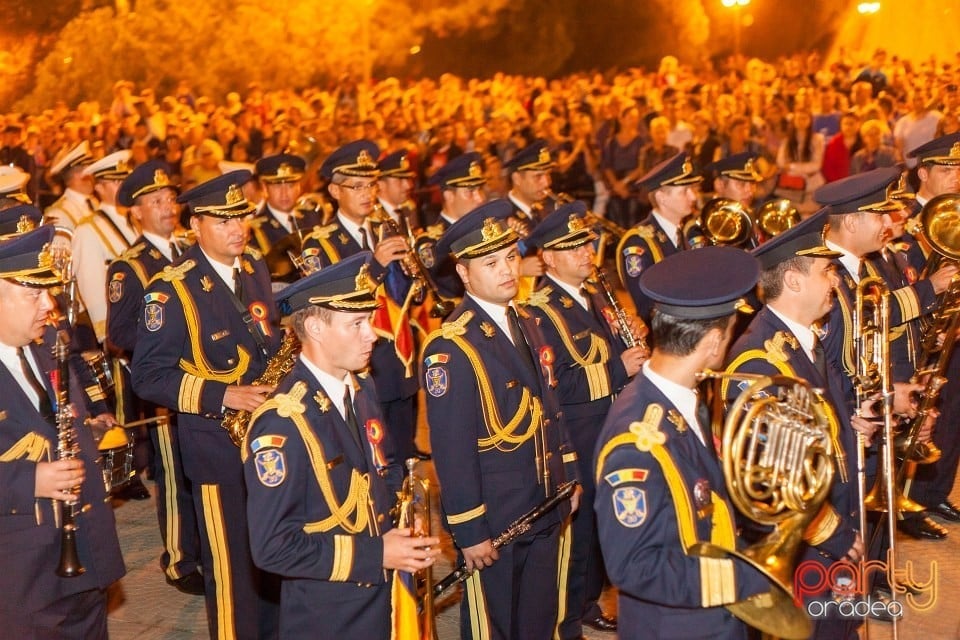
{"points": [[776, 216], [936, 221], [778, 463], [727, 222]]}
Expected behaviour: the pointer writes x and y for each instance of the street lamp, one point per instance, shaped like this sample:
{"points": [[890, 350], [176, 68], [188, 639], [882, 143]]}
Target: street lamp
{"points": [[868, 8], [737, 6]]}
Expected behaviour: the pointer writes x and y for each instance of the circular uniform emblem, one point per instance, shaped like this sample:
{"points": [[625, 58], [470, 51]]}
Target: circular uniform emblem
{"points": [[701, 494]]}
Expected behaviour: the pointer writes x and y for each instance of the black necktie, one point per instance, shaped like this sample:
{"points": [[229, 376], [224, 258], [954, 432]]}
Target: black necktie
{"points": [[706, 428], [90, 205], [518, 339], [350, 416], [46, 408], [364, 241], [175, 252], [237, 284], [819, 359]]}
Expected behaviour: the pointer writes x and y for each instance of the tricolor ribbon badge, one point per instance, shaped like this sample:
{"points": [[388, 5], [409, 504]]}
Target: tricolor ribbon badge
{"points": [[546, 363], [375, 436], [258, 311]]}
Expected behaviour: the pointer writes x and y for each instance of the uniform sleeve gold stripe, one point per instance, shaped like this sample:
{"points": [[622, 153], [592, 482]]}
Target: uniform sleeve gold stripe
{"points": [[569, 457], [717, 582], [95, 393], [189, 398], [724, 532], [342, 558], [681, 498], [466, 516], [598, 380], [822, 526], [906, 297]]}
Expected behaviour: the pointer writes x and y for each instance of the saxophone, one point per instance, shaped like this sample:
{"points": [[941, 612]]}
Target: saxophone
{"points": [[237, 422]]}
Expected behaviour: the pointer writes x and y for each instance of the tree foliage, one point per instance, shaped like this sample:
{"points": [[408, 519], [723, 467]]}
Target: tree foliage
{"points": [[222, 45]]}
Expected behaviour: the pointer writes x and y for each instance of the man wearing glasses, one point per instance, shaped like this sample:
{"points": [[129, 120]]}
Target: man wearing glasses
{"points": [[353, 172]]}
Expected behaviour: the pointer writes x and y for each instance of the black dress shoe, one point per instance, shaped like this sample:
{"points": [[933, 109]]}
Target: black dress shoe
{"points": [[190, 584], [421, 455], [922, 528], [946, 510], [134, 490], [602, 622]]}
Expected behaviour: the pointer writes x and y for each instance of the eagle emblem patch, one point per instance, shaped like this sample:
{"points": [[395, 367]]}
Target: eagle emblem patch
{"points": [[630, 506]]}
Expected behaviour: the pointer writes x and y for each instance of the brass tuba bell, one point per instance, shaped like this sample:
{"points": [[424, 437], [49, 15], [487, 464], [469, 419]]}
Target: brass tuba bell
{"points": [[776, 216], [724, 221]]}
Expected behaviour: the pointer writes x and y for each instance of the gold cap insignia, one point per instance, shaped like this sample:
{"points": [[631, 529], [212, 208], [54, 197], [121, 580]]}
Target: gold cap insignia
{"points": [[475, 171], [45, 257], [284, 170], [544, 157], [404, 163], [364, 158], [687, 168], [234, 195], [364, 282], [160, 177], [123, 166], [575, 223], [25, 223], [491, 229], [955, 150]]}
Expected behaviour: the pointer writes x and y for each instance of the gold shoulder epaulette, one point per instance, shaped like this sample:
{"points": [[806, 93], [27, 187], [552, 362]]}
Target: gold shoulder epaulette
{"points": [[133, 252], [433, 231], [456, 327], [321, 233], [538, 298], [178, 272], [775, 345], [257, 221], [253, 253], [645, 231]]}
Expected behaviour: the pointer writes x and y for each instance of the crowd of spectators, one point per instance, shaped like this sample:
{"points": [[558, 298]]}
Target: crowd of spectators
{"points": [[807, 121]]}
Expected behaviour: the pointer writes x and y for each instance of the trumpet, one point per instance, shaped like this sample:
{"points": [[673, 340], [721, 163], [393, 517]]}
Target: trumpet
{"points": [[414, 267], [413, 512], [726, 222], [777, 457], [776, 216], [623, 326]]}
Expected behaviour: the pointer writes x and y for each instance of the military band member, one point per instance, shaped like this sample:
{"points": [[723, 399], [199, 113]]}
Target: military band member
{"points": [[13, 185], [281, 177], [938, 170], [37, 602], [529, 172], [673, 189], [461, 182], [859, 224], [100, 237], [318, 470], [591, 366], [396, 191], [798, 279], [152, 201], [209, 328], [353, 173], [660, 488], [530, 178], [736, 179], [77, 202], [497, 434]]}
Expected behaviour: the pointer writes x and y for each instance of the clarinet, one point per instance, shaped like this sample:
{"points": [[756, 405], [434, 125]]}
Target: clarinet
{"points": [[516, 529], [68, 448], [629, 340]]}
